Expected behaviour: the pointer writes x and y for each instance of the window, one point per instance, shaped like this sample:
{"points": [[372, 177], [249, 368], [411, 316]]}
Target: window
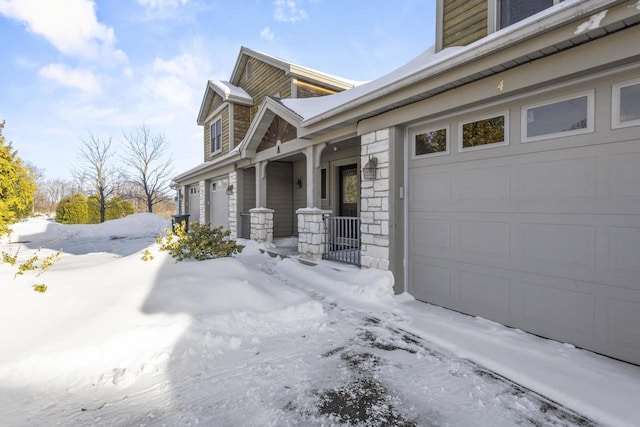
{"points": [[625, 110], [511, 11], [323, 183], [431, 142], [216, 136], [484, 133], [559, 117]]}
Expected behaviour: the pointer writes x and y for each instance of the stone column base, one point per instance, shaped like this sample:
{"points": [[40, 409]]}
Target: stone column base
{"points": [[311, 233], [261, 224]]}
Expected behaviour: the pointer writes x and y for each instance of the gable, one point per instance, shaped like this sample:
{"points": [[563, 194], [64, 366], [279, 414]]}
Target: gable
{"points": [[279, 131], [260, 79], [217, 93], [272, 123]]}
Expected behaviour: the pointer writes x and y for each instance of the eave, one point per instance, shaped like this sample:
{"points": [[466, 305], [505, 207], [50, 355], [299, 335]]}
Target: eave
{"points": [[542, 36]]}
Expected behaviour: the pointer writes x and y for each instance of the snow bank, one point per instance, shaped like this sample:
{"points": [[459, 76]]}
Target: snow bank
{"points": [[352, 285]]}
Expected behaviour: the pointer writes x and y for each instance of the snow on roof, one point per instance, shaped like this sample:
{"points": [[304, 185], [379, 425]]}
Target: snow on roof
{"points": [[315, 108], [312, 107], [291, 67], [230, 90]]}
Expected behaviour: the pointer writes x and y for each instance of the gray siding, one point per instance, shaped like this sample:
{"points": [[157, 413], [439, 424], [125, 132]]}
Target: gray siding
{"points": [[249, 189], [280, 197]]}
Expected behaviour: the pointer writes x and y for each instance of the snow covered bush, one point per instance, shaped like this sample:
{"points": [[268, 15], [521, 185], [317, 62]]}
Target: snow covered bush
{"points": [[200, 242]]}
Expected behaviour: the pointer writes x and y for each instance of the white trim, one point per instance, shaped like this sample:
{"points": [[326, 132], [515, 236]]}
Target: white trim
{"points": [[503, 143], [524, 112], [414, 131], [231, 126], [615, 105], [405, 213], [219, 150]]}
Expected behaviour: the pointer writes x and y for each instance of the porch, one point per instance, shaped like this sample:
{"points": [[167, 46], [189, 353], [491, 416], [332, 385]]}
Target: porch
{"points": [[290, 194], [339, 237]]}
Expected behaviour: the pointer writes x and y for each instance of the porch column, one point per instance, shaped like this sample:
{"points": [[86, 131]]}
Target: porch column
{"points": [[311, 233], [261, 224], [313, 154], [261, 216], [261, 184]]}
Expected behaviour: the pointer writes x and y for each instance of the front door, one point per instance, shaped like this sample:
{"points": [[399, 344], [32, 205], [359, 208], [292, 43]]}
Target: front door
{"points": [[349, 186]]}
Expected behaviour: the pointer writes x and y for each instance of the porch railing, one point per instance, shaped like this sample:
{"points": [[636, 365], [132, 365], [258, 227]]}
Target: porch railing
{"points": [[342, 239], [245, 226]]}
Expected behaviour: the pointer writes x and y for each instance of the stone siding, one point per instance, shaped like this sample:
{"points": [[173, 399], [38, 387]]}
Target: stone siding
{"points": [[374, 198], [233, 205]]}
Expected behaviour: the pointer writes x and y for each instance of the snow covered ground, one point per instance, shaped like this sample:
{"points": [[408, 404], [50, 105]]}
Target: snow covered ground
{"points": [[262, 341]]}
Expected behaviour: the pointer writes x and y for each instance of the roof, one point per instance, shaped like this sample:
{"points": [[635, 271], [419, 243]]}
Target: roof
{"points": [[426, 66], [290, 68], [227, 91]]}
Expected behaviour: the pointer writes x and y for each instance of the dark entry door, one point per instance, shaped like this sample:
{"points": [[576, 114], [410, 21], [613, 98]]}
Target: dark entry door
{"points": [[348, 190]]}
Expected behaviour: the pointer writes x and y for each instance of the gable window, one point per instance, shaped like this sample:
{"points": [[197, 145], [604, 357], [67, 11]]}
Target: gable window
{"points": [[559, 117], [625, 110], [216, 136], [431, 142], [511, 11], [484, 132]]}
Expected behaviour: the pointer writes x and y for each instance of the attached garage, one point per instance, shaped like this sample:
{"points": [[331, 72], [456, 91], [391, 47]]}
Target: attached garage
{"points": [[219, 203], [539, 228], [193, 205]]}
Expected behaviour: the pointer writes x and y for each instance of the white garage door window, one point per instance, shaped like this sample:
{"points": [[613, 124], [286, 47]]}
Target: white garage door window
{"points": [[547, 241]]}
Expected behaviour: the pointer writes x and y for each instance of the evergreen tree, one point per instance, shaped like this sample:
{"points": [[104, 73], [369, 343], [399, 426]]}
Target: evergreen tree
{"points": [[17, 187]]}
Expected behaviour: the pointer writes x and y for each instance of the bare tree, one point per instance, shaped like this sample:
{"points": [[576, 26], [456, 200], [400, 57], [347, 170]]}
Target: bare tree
{"points": [[97, 169], [149, 164]]}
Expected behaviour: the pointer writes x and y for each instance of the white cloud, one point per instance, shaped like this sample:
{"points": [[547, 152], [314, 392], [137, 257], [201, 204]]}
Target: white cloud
{"points": [[84, 80], [71, 26], [177, 82], [288, 11], [266, 33], [161, 4]]}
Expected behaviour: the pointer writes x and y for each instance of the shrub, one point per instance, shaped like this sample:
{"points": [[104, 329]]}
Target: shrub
{"points": [[17, 187], [114, 208], [118, 208], [200, 242], [72, 210]]}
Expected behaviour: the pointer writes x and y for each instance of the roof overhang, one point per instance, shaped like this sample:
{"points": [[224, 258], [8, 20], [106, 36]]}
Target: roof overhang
{"points": [[567, 25], [195, 173]]}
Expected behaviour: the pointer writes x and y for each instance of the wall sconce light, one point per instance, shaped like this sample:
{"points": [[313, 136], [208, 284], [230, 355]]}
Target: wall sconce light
{"points": [[230, 189], [369, 170], [299, 183]]}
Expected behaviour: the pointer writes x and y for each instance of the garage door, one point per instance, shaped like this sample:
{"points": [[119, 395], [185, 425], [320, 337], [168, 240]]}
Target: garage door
{"points": [[219, 203], [544, 237], [194, 203]]}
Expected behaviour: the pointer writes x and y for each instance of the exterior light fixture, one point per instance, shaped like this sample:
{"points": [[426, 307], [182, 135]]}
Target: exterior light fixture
{"points": [[369, 170], [299, 183], [230, 189]]}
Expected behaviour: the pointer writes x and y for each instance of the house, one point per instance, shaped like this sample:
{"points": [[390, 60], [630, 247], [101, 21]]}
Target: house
{"points": [[497, 174]]}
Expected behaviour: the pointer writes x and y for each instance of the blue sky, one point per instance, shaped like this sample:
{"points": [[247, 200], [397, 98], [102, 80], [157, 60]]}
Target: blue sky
{"points": [[74, 67]]}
